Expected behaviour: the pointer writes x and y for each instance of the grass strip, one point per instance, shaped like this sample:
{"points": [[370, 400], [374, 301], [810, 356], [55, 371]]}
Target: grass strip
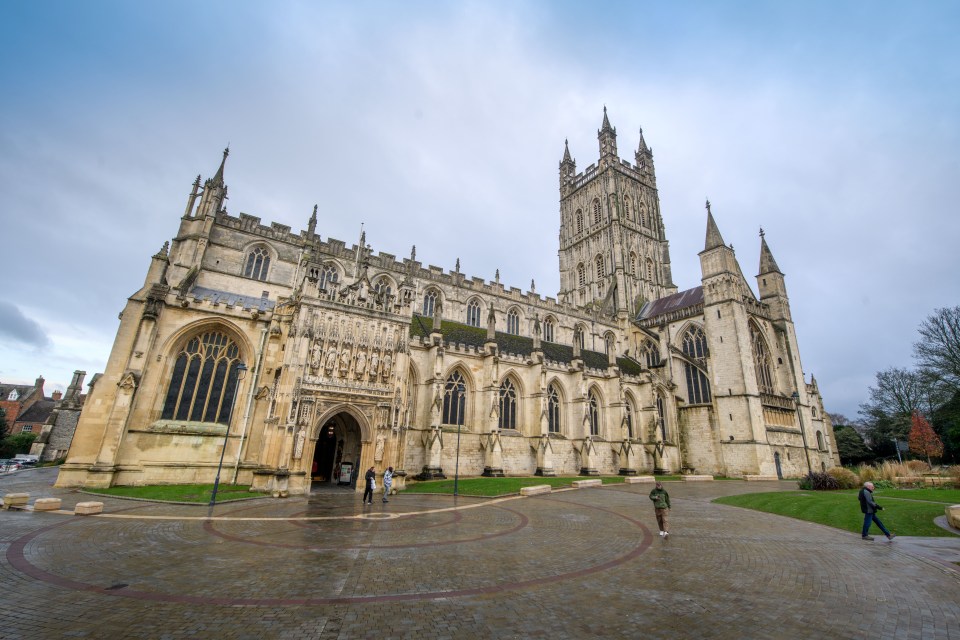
{"points": [[199, 493], [841, 509]]}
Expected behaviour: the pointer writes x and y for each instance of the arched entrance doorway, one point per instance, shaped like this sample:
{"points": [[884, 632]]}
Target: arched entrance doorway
{"points": [[336, 456]]}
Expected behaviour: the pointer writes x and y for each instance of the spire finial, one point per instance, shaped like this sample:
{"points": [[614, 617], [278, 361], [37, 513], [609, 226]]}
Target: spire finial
{"points": [[708, 206], [762, 234], [413, 253]]}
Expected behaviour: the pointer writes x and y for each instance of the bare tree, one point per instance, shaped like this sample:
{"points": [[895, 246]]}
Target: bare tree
{"points": [[938, 351]]}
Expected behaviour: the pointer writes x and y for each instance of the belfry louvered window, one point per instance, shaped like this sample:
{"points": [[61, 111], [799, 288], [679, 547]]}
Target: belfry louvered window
{"points": [[204, 380]]}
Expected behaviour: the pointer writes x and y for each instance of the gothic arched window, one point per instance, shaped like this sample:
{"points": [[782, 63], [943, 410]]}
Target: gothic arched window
{"points": [[204, 381], [579, 220], [430, 301], [597, 211], [513, 322], [578, 334], [661, 417], [649, 270], [329, 277], [695, 348], [626, 207], [258, 264], [643, 215], [553, 409], [633, 263], [609, 342], [508, 405], [581, 275], [549, 329], [454, 399], [473, 313], [761, 361], [601, 271], [820, 443], [594, 414], [382, 286], [650, 354]]}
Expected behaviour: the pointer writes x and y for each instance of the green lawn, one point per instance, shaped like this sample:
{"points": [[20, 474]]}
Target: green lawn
{"points": [[907, 512], [199, 493]]}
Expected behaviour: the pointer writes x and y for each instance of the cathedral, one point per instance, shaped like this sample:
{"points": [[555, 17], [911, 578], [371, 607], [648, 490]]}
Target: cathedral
{"points": [[295, 361]]}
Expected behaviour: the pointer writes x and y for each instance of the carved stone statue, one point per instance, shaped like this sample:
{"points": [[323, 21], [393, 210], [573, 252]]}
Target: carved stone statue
{"points": [[298, 444], [374, 364], [361, 364], [331, 359], [316, 355], [378, 452], [344, 361], [387, 365]]}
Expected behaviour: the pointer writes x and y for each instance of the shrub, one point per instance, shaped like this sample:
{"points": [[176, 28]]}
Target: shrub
{"points": [[883, 484], [818, 482], [867, 473], [890, 470], [954, 472], [844, 477], [917, 466]]}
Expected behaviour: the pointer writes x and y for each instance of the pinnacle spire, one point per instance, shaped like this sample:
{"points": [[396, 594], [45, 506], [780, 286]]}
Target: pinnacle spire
{"points": [[312, 224], [642, 147], [217, 179], [767, 263], [714, 239], [606, 121], [566, 151]]}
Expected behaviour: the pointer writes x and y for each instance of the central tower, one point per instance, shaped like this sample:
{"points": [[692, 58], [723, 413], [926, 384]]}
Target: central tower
{"points": [[614, 255]]}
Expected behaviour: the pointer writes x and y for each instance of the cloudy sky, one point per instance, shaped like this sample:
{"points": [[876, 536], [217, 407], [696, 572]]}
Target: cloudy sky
{"points": [[833, 125]]}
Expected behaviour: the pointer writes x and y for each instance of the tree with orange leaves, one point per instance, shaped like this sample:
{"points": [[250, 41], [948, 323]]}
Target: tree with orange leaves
{"points": [[923, 439]]}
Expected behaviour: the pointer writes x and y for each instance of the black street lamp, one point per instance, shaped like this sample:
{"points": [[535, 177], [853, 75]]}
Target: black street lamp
{"points": [[456, 466], [803, 433], [239, 370]]}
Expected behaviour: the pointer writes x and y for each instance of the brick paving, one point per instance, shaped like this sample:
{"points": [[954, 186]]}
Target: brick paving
{"points": [[572, 564]]}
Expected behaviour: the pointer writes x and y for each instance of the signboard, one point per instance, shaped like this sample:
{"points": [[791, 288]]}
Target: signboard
{"points": [[346, 473]]}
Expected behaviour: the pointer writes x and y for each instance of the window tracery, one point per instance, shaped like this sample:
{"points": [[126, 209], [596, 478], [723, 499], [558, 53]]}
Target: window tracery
{"points": [[258, 264], [204, 381], [454, 399], [508, 405], [473, 313]]}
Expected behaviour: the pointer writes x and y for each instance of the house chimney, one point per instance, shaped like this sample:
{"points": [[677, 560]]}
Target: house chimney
{"points": [[56, 395]]}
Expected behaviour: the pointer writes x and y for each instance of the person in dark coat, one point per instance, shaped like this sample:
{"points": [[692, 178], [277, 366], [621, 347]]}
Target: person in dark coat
{"points": [[869, 508], [661, 507], [369, 480]]}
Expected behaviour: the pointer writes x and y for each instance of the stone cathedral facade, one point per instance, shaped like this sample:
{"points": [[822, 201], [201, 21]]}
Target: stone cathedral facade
{"points": [[304, 361]]}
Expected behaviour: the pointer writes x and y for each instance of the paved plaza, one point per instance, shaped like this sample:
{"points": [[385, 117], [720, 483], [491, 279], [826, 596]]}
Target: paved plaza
{"points": [[584, 563]]}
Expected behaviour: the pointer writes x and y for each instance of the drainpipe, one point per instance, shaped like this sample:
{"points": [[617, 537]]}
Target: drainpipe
{"points": [[246, 413]]}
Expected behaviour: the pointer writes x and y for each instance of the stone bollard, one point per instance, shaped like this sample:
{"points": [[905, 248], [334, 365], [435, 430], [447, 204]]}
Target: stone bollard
{"points": [[953, 516], [638, 479], [46, 504], [583, 484], [535, 490], [88, 508], [697, 478], [15, 500]]}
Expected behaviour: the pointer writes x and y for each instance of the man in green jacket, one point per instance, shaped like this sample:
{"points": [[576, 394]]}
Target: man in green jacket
{"points": [[661, 506]]}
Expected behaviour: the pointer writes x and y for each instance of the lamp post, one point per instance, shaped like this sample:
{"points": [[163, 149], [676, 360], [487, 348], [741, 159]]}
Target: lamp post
{"points": [[456, 466], [803, 433], [239, 370]]}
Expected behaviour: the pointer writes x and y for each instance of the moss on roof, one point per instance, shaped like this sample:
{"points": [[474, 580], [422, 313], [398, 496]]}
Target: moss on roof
{"points": [[459, 333]]}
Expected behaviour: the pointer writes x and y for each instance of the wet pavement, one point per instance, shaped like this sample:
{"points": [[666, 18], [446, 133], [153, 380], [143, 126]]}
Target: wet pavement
{"points": [[571, 564]]}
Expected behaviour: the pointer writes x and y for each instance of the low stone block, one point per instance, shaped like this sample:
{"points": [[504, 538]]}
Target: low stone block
{"points": [[535, 490], [15, 500], [953, 516], [697, 478], [760, 478], [46, 504], [582, 484], [638, 479], [88, 508]]}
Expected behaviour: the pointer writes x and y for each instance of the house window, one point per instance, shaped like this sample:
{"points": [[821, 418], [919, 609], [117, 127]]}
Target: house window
{"points": [[258, 263], [430, 302], [508, 405], [513, 322], [695, 348], [594, 414], [27, 428], [454, 399], [329, 277], [204, 381], [13, 395], [553, 409], [597, 212], [549, 328], [473, 313]]}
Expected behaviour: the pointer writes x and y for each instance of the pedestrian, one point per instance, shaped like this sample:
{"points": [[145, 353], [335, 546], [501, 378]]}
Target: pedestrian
{"points": [[869, 507], [370, 483], [387, 482], [661, 507]]}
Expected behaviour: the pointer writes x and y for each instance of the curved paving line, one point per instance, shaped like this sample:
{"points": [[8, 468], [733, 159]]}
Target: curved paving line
{"points": [[17, 558]]}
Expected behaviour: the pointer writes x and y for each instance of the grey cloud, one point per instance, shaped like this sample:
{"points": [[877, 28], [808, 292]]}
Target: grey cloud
{"points": [[13, 324]]}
